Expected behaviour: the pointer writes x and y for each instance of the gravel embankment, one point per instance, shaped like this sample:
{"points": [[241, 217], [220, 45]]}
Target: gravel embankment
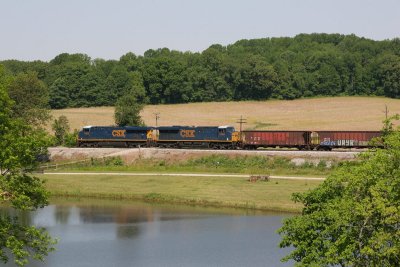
{"points": [[298, 157]]}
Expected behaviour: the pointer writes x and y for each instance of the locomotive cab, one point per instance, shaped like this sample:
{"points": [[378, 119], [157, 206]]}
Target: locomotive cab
{"points": [[86, 130]]}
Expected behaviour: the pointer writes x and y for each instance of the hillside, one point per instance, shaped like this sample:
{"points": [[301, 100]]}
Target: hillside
{"points": [[333, 113]]}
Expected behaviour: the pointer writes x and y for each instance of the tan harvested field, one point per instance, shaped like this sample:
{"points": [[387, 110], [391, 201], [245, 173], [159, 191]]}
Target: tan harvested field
{"points": [[335, 113]]}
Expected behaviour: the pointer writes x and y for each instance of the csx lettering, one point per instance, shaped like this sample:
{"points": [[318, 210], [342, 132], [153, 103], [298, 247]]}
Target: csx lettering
{"points": [[118, 133], [187, 133]]}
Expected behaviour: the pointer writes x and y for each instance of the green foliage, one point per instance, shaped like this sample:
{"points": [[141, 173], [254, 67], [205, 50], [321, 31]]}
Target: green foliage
{"points": [[253, 164], [15, 238], [127, 111], [60, 127], [390, 75], [353, 218], [20, 147], [59, 97], [137, 87], [306, 65], [107, 161], [210, 164], [70, 139], [31, 99]]}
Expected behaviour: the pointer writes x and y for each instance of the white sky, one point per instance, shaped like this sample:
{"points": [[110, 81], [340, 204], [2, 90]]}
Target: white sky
{"points": [[42, 29]]}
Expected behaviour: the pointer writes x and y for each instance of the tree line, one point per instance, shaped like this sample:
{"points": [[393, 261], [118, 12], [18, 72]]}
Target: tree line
{"points": [[306, 65]]}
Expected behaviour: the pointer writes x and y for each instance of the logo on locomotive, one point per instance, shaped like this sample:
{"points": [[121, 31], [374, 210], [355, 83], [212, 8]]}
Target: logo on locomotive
{"points": [[187, 133], [118, 133]]}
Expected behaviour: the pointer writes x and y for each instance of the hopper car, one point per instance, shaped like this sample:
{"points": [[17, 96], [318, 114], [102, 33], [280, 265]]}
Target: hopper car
{"points": [[308, 140]]}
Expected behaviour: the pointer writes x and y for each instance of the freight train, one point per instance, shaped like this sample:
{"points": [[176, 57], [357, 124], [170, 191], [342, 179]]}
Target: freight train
{"points": [[220, 137]]}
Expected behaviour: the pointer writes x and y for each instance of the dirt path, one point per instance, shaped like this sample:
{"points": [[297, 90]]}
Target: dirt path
{"points": [[182, 174]]}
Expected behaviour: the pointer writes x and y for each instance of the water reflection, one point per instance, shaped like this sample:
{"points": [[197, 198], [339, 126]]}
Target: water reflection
{"points": [[62, 214], [114, 233], [127, 231]]}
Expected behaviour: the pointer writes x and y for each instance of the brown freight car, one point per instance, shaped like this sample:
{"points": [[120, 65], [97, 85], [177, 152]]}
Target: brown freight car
{"points": [[327, 140], [320, 140], [287, 139]]}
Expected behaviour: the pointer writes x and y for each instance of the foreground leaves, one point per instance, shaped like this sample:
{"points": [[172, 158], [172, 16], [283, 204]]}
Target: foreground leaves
{"points": [[17, 238], [20, 147]]}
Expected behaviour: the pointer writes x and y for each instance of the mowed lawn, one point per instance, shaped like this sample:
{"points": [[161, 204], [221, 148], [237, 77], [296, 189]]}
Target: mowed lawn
{"points": [[334, 113], [209, 191]]}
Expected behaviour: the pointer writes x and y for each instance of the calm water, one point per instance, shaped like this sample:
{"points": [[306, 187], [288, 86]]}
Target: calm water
{"points": [[137, 234]]}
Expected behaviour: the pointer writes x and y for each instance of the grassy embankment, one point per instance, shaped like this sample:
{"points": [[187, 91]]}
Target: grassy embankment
{"points": [[207, 191], [209, 164]]}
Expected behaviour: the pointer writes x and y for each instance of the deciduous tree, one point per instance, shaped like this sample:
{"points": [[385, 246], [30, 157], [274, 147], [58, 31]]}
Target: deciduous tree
{"points": [[127, 111], [61, 128], [20, 146], [391, 76], [31, 98]]}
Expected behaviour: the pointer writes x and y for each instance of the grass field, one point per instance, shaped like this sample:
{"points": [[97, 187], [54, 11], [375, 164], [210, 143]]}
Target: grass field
{"points": [[213, 164], [334, 113], [207, 191]]}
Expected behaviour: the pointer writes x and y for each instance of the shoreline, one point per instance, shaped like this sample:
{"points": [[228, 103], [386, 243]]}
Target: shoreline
{"points": [[207, 190], [170, 200], [273, 177]]}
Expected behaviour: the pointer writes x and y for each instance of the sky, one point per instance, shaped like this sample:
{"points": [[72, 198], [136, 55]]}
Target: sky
{"points": [[42, 29]]}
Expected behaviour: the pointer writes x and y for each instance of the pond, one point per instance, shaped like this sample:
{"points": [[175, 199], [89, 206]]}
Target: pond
{"points": [[113, 233]]}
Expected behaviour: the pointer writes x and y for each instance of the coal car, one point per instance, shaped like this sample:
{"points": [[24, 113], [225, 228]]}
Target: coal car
{"points": [[284, 139], [328, 140], [308, 140]]}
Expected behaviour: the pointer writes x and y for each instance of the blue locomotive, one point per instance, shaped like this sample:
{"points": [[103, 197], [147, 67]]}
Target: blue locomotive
{"points": [[222, 137], [129, 136]]}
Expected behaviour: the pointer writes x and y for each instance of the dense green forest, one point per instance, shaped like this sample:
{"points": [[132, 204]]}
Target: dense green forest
{"points": [[306, 65]]}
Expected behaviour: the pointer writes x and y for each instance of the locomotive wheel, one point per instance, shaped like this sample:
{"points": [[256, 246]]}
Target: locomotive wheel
{"points": [[95, 144]]}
